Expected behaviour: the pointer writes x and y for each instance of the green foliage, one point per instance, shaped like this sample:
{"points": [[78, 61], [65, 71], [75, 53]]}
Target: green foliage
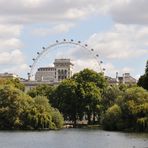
{"points": [[112, 118], [66, 99], [111, 95], [16, 83], [91, 100], [12, 103], [134, 108], [143, 80], [20, 111], [41, 90], [88, 75], [79, 96], [57, 118]]}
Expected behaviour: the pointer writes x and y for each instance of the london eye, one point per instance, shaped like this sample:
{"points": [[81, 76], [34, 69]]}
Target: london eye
{"points": [[79, 44]]}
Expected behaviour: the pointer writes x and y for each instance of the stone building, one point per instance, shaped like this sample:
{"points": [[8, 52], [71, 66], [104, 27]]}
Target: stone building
{"points": [[7, 75], [126, 78], [62, 69]]}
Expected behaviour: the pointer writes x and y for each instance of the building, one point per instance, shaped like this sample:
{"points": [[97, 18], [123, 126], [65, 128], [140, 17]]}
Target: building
{"points": [[62, 69], [7, 75], [126, 78]]}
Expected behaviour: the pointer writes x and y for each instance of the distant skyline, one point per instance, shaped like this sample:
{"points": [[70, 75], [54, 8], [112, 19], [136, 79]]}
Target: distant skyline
{"points": [[117, 30]]}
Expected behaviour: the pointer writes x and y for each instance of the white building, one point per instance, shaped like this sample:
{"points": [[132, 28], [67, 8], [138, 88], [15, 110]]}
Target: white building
{"points": [[126, 78], [7, 75], [62, 69]]}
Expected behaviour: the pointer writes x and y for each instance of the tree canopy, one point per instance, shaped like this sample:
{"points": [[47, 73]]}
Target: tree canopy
{"points": [[143, 80]]}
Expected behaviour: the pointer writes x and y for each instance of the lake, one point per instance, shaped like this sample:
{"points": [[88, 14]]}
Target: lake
{"points": [[72, 138]]}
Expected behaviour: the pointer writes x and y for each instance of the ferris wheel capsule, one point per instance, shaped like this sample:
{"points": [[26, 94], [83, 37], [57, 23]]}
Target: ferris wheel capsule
{"points": [[86, 45], [33, 59], [30, 66], [57, 41], [92, 49], [71, 40], [101, 62], [79, 41], [64, 40], [38, 53], [97, 55], [104, 69], [43, 47]]}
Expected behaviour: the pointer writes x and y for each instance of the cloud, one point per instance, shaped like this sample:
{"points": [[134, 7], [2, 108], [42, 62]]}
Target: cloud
{"points": [[34, 11], [57, 29], [122, 42], [10, 44], [45, 11], [19, 69], [9, 37], [8, 31], [130, 11], [112, 69], [13, 57]]}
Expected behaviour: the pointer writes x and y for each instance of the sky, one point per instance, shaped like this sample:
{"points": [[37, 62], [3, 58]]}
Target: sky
{"points": [[117, 30]]}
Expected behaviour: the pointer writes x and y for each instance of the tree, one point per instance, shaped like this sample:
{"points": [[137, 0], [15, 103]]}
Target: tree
{"points": [[66, 99], [41, 90], [110, 96], [91, 100], [20, 111], [12, 103], [143, 80], [112, 118], [88, 75], [16, 83]]}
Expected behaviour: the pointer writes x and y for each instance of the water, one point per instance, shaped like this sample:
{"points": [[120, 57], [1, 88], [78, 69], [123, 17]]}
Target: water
{"points": [[73, 138]]}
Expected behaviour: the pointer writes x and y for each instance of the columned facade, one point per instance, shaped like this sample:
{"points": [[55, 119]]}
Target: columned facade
{"points": [[62, 69]]}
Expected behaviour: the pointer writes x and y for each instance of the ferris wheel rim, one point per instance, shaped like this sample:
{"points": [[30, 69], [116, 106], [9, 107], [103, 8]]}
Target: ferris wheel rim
{"points": [[45, 49]]}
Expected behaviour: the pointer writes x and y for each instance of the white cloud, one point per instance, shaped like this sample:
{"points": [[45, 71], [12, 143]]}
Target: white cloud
{"points": [[10, 44], [122, 42], [33, 11], [130, 11], [37, 11], [57, 29], [13, 57], [111, 70], [19, 69], [9, 31]]}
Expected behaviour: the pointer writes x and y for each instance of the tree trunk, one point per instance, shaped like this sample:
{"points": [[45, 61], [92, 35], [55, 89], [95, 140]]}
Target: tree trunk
{"points": [[89, 118]]}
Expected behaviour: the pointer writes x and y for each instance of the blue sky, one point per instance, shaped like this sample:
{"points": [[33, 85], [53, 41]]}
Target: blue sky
{"points": [[116, 30]]}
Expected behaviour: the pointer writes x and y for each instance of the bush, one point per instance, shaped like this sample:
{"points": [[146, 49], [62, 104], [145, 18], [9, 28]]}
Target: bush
{"points": [[112, 118]]}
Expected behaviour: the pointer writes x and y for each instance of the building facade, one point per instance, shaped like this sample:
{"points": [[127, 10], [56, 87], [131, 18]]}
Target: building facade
{"points": [[8, 75], [62, 69], [126, 78]]}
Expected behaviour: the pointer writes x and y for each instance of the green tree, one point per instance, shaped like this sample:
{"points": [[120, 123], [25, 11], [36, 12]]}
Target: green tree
{"points": [[88, 75], [16, 83], [66, 99], [143, 80], [12, 103], [112, 118], [41, 90], [57, 118], [20, 111], [91, 100], [110, 96]]}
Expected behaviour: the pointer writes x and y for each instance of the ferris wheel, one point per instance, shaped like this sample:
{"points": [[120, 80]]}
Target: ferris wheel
{"points": [[45, 50]]}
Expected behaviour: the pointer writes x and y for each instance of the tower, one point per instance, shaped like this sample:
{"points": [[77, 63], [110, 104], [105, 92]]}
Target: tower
{"points": [[63, 69]]}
